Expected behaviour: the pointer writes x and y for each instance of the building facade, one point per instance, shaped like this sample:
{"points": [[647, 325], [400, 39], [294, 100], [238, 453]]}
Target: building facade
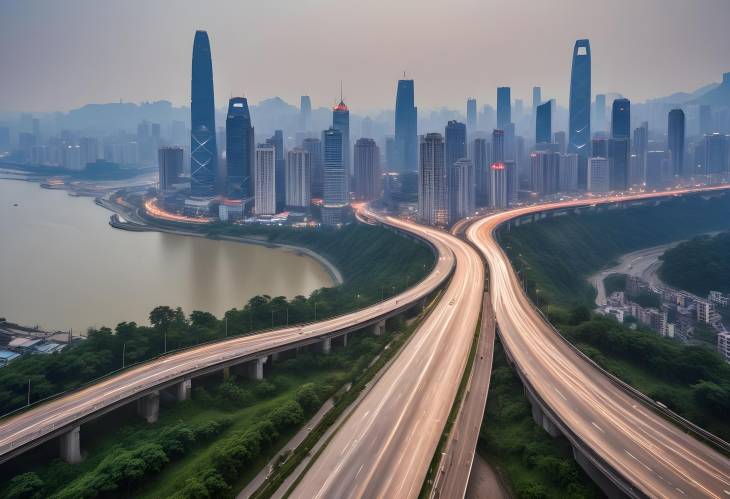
{"points": [[368, 182], [432, 181], [203, 149], [298, 178], [265, 180]]}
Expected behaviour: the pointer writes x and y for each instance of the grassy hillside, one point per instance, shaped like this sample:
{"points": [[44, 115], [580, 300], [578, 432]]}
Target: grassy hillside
{"points": [[699, 265]]}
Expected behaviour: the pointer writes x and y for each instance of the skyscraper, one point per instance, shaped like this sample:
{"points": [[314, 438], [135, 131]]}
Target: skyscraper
{"points": [[367, 170], [504, 107], [461, 189], [341, 121], [497, 146], [619, 147], [204, 153], [568, 181], [305, 113], [277, 141], [536, 100], [314, 148], [640, 146], [579, 120], [471, 115], [432, 192], [455, 142], [600, 111], [335, 177], [170, 164], [240, 149], [544, 123], [298, 178], [406, 129], [716, 154], [598, 175], [544, 172], [498, 184], [265, 180], [481, 154], [705, 119], [675, 140]]}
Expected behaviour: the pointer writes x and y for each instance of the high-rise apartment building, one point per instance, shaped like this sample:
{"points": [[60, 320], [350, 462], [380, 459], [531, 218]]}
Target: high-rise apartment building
{"points": [[277, 141], [675, 140], [498, 146], [637, 174], [504, 107], [461, 193], [598, 175], [336, 195], [203, 149], [544, 172], [240, 148], [498, 184], [568, 181], [298, 178], [314, 148], [265, 180], [368, 179], [471, 115], [544, 123], [432, 187], [170, 165], [481, 156]]}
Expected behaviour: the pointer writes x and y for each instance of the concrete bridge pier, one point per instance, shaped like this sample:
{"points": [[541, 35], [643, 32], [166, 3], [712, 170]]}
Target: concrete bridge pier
{"points": [[379, 328], [604, 483], [71, 446], [540, 418], [183, 389], [149, 407], [327, 345], [344, 340], [256, 368]]}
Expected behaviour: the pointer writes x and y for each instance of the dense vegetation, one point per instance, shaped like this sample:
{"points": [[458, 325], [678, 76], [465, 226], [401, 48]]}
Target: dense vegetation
{"points": [[561, 252], [533, 464], [374, 262], [700, 265], [209, 446], [556, 255]]}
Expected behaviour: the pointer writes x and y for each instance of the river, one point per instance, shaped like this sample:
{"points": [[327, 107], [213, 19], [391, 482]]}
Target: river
{"points": [[62, 266]]}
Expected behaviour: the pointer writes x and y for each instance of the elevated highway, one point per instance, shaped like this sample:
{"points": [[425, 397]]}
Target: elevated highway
{"points": [[617, 436]]}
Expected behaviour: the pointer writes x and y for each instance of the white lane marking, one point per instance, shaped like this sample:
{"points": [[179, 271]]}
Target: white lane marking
{"points": [[597, 427], [559, 393], [359, 470], [681, 491]]}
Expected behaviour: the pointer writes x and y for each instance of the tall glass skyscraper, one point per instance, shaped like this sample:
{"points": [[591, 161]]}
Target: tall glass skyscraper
{"points": [[619, 147], [621, 119], [432, 189], [580, 100], [240, 147], [544, 123], [204, 153], [504, 107], [471, 115], [341, 121], [455, 134], [305, 112], [675, 140], [335, 177], [406, 128]]}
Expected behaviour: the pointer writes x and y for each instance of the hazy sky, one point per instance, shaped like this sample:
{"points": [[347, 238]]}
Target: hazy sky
{"points": [[60, 54]]}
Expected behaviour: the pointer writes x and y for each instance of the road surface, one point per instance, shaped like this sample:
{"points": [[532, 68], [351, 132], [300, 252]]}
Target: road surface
{"points": [[32, 427], [386, 445], [651, 453]]}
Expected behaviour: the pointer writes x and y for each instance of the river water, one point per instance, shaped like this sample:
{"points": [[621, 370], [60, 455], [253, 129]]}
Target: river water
{"points": [[62, 266]]}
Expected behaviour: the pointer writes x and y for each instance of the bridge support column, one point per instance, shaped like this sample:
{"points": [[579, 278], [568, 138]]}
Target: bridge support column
{"points": [[182, 390], [256, 368], [327, 345], [541, 419], [71, 446], [274, 357], [226, 373], [604, 483], [379, 328], [149, 407], [344, 340]]}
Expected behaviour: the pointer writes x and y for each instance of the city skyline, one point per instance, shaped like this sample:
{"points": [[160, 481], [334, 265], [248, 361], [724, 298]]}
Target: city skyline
{"points": [[242, 66]]}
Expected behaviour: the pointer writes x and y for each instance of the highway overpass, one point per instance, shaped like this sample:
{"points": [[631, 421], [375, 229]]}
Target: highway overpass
{"points": [[62, 416], [617, 435]]}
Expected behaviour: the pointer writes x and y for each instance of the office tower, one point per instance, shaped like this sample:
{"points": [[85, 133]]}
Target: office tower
{"points": [[544, 172], [536, 100], [705, 119], [405, 153], [598, 175], [504, 107], [716, 154], [170, 164], [621, 119], [432, 192], [367, 170], [305, 113], [461, 192], [497, 146], [657, 166], [298, 178], [341, 121], [314, 148], [618, 163], [481, 156], [455, 135], [675, 140], [580, 100], [544, 123], [72, 158], [204, 153], [498, 183], [599, 147], [509, 142], [641, 146], [471, 115], [240, 148], [335, 178], [561, 140], [265, 180], [568, 181], [600, 112], [512, 181], [277, 141], [89, 150]]}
